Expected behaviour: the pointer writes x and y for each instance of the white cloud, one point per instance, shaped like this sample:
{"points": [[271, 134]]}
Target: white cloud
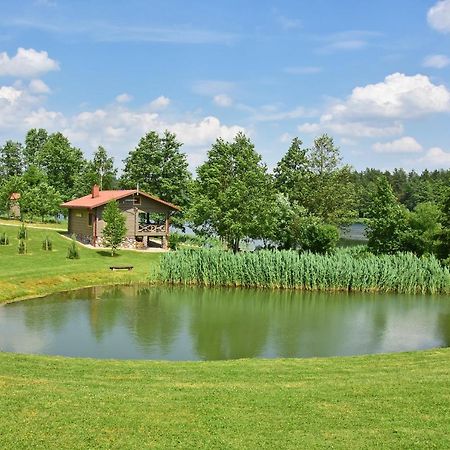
{"points": [[309, 128], [439, 16], [223, 100], [303, 70], [271, 113], [285, 137], [288, 23], [436, 61], [378, 110], [406, 144], [124, 98], [27, 63], [435, 158], [9, 94], [160, 102], [38, 87]]}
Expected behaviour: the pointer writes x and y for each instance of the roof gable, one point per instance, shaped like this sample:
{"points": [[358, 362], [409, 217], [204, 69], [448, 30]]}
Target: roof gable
{"points": [[104, 197]]}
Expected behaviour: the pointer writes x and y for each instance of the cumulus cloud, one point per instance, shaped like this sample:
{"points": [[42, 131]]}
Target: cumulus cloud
{"points": [[439, 16], [38, 87], [434, 158], [406, 144], [124, 98], [223, 100], [160, 102], [26, 63], [377, 110], [436, 61]]}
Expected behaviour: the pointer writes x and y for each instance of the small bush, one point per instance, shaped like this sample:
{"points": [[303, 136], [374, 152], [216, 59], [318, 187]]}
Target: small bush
{"points": [[23, 232], [72, 251], [47, 244], [4, 239], [22, 247], [174, 240]]}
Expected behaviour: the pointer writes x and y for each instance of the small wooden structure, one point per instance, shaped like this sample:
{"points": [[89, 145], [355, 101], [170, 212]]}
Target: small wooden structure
{"points": [[147, 217], [14, 207]]}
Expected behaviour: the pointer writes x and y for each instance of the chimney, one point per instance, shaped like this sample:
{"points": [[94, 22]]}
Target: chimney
{"points": [[95, 191]]}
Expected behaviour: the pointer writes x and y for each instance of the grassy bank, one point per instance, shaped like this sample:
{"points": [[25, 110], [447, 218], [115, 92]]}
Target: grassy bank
{"points": [[40, 272], [340, 271], [385, 401]]}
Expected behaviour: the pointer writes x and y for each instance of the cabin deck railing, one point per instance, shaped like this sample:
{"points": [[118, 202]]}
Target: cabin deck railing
{"points": [[151, 228]]}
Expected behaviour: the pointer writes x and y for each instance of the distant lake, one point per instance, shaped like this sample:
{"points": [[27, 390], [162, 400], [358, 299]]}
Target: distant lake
{"points": [[176, 323]]}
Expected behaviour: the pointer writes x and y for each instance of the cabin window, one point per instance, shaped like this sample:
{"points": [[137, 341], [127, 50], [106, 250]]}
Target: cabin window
{"points": [[137, 200], [78, 214]]}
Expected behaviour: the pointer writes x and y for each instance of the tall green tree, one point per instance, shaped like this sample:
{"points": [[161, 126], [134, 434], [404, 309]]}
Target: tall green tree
{"points": [[293, 172], [11, 159], [61, 163], [159, 167], [115, 230], [388, 222], [332, 195], [102, 169], [40, 201], [233, 192], [34, 141]]}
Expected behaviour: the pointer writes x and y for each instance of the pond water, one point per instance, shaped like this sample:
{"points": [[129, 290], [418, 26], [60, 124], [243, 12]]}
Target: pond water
{"points": [[208, 324]]}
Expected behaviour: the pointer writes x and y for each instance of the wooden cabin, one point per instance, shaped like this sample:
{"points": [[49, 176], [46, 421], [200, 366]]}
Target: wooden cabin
{"points": [[147, 217]]}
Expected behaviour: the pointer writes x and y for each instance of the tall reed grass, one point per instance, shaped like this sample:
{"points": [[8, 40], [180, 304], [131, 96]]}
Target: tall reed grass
{"points": [[340, 271]]}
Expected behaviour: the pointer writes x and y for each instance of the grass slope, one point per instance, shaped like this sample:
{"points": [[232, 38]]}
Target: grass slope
{"points": [[385, 401], [39, 272]]}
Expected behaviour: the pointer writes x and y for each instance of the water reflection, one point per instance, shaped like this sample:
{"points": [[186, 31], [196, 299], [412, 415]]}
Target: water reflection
{"points": [[191, 324]]}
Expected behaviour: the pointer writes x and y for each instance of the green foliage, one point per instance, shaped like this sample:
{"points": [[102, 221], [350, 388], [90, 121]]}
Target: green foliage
{"points": [[11, 160], [12, 184], [34, 142], [160, 168], [313, 235], [47, 244], [4, 239], [174, 240], [61, 163], [72, 250], [23, 232], [315, 180], [388, 220], [40, 201], [22, 247], [115, 230], [233, 194], [339, 271]]}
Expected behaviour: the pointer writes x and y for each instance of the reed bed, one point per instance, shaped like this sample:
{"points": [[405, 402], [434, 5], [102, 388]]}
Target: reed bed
{"points": [[340, 271]]}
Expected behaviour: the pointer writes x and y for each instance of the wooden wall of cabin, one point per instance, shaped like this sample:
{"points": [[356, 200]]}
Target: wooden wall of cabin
{"points": [[79, 222]]}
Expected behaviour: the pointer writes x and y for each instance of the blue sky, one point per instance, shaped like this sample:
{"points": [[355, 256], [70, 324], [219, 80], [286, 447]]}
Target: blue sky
{"points": [[373, 74]]}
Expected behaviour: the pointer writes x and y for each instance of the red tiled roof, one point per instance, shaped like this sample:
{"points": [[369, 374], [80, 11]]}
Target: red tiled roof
{"points": [[106, 196], [14, 196]]}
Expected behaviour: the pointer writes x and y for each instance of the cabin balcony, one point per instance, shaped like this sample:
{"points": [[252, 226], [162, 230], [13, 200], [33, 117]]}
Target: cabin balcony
{"points": [[151, 229]]}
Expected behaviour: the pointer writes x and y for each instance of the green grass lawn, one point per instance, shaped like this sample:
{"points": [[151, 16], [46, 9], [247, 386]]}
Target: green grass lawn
{"points": [[386, 401], [380, 401], [40, 272]]}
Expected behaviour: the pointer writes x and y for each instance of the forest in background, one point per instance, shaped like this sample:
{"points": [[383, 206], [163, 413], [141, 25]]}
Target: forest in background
{"points": [[301, 204]]}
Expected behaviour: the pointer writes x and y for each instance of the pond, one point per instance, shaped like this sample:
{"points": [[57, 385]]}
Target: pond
{"points": [[177, 323]]}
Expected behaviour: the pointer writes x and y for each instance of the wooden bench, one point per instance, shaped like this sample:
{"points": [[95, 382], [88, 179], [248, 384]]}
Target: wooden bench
{"points": [[121, 267]]}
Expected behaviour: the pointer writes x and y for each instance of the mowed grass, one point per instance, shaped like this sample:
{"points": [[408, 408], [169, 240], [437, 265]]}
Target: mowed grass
{"points": [[385, 401], [380, 401], [40, 272]]}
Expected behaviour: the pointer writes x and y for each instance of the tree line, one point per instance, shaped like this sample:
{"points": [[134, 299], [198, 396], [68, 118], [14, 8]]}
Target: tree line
{"points": [[301, 204]]}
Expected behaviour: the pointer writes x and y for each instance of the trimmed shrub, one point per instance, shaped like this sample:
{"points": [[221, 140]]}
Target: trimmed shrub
{"points": [[47, 244], [4, 239], [23, 232], [72, 251], [22, 247]]}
